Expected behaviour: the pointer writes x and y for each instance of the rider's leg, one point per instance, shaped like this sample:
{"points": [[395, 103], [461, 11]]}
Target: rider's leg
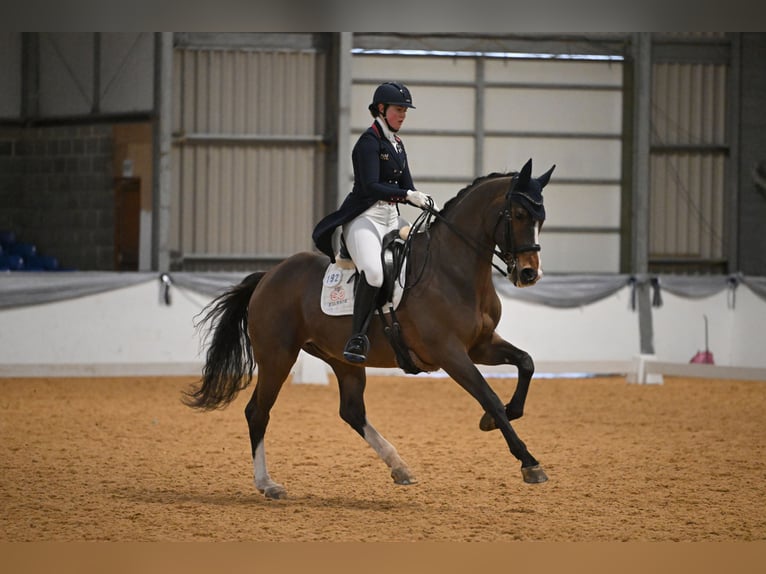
{"points": [[363, 242], [364, 305]]}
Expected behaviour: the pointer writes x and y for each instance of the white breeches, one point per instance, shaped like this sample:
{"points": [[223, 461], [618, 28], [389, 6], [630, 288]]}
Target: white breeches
{"points": [[364, 237]]}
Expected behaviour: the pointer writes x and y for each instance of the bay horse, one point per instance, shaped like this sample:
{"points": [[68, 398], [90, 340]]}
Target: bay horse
{"points": [[448, 314]]}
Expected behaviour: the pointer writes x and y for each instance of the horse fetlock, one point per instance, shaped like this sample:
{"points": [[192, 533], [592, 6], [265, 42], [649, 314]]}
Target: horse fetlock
{"points": [[512, 412]]}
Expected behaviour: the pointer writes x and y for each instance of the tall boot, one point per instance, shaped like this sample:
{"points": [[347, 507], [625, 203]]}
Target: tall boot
{"points": [[364, 304]]}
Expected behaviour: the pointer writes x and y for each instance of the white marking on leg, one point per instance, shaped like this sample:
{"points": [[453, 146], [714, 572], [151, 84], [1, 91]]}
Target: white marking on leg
{"points": [[387, 453], [380, 445], [260, 472], [263, 481]]}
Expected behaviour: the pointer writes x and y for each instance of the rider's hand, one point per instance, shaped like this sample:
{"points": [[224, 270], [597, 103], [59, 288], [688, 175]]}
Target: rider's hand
{"points": [[419, 199]]}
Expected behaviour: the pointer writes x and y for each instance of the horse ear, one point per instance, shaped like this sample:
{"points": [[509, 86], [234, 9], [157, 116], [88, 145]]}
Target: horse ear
{"points": [[545, 178], [525, 174]]}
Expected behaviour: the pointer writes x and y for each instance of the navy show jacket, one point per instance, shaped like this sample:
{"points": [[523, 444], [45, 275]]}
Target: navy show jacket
{"points": [[381, 173]]}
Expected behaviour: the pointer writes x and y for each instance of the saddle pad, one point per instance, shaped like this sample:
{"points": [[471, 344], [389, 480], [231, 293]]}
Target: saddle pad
{"points": [[337, 297]]}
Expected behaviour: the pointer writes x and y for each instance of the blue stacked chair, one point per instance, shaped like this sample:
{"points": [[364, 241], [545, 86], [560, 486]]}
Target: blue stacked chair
{"points": [[23, 256], [10, 262], [23, 249], [41, 263]]}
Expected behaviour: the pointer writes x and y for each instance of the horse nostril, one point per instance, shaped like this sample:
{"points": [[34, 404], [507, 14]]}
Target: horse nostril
{"points": [[528, 275]]}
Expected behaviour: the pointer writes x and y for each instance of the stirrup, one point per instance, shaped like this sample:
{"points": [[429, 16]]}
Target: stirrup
{"points": [[356, 348]]}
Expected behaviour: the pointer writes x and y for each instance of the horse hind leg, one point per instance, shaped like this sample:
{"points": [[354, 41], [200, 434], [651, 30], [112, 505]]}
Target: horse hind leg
{"points": [[351, 382], [271, 376]]}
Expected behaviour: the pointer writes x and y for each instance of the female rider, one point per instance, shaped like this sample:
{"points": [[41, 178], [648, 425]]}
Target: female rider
{"points": [[381, 180]]}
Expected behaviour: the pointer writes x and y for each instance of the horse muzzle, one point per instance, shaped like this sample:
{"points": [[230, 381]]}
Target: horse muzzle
{"points": [[527, 277], [525, 271]]}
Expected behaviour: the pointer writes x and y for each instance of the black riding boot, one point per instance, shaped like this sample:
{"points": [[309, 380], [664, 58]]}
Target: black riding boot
{"points": [[364, 305]]}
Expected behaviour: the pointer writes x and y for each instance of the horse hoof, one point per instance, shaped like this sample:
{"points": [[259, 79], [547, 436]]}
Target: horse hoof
{"points": [[534, 474], [276, 492], [403, 477], [487, 423]]}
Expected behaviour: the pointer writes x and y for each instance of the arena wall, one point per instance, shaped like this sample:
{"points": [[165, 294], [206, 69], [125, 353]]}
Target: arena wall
{"points": [[132, 332]]}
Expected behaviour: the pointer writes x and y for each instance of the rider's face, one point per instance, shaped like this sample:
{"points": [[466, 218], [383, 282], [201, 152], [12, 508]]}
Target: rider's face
{"points": [[394, 115]]}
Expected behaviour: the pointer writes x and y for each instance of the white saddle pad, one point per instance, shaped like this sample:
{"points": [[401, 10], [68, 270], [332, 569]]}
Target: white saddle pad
{"points": [[337, 296]]}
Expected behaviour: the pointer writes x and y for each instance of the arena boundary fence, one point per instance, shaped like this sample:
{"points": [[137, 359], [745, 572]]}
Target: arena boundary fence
{"points": [[143, 324]]}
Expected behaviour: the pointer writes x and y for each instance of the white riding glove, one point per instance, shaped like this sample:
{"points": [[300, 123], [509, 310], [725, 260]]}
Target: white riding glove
{"points": [[419, 199]]}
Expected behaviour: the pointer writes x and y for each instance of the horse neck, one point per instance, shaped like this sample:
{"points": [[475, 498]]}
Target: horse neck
{"points": [[475, 217]]}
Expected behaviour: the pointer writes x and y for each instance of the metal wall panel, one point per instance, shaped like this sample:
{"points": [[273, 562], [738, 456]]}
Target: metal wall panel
{"points": [[126, 75], [95, 73], [66, 73], [574, 73], [689, 149], [247, 137]]}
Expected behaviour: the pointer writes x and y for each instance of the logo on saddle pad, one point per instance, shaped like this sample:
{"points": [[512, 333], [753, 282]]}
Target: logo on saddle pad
{"points": [[337, 296], [338, 291]]}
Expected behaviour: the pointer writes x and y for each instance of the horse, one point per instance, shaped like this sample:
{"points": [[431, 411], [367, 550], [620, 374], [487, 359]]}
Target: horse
{"points": [[448, 314]]}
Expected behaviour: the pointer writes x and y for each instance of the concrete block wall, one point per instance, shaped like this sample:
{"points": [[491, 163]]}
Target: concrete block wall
{"points": [[11, 180], [56, 192]]}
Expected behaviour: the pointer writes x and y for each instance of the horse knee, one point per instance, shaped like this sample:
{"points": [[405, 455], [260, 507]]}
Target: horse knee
{"points": [[526, 364]]}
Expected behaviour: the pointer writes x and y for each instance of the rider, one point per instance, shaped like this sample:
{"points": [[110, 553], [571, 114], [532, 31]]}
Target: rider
{"points": [[381, 180]]}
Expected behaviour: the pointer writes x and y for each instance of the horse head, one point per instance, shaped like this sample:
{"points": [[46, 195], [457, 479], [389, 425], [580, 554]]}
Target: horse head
{"points": [[522, 219]]}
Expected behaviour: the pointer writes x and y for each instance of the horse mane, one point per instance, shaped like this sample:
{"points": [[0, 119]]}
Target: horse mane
{"points": [[460, 194]]}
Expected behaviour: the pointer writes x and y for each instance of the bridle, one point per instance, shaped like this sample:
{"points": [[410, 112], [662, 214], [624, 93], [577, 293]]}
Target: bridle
{"points": [[511, 252]]}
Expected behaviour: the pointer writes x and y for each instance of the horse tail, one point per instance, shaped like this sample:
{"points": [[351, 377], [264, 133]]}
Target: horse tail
{"points": [[229, 361]]}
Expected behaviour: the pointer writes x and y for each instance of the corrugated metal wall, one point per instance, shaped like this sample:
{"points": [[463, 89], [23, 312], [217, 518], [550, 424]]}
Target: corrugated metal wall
{"points": [[688, 156], [247, 154]]}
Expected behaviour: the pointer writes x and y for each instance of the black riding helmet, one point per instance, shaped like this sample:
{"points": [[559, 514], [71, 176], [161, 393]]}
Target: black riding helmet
{"points": [[390, 94]]}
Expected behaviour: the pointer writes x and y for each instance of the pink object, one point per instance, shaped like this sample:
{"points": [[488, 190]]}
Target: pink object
{"points": [[704, 357]]}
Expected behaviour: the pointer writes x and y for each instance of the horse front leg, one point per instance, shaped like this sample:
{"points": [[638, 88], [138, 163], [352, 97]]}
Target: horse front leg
{"points": [[460, 367], [500, 352], [351, 382]]}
